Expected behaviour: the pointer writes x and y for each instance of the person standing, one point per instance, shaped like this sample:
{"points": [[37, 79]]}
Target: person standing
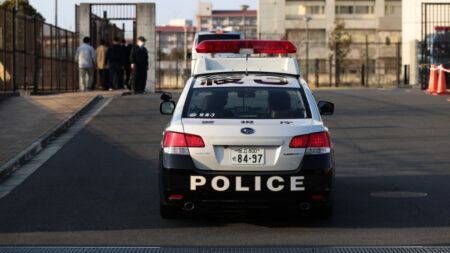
{"points": [[101, 64], [86, 59], [139, 64], [114, 60], [127, 67]]}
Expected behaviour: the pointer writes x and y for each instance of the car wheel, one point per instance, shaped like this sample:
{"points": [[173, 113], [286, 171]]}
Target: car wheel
{"points": [[169, 212]]}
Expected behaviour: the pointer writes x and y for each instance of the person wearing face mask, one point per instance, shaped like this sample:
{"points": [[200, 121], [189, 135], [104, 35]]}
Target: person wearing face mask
{"points": [[139, 64]]}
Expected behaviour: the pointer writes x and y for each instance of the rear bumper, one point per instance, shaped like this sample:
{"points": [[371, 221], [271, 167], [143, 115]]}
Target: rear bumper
{"points": [[311, 182]]}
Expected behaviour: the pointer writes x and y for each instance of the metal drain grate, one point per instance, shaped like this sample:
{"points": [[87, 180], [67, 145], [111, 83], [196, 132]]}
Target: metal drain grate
{"points": [[224, 250]]}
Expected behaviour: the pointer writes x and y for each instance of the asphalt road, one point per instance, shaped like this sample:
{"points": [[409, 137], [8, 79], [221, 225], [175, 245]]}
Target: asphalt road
{"points": [[101, 187]]}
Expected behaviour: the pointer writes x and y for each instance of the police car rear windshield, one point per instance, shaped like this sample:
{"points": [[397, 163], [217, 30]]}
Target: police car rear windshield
{"points": [[220, 36], [246, 103]]}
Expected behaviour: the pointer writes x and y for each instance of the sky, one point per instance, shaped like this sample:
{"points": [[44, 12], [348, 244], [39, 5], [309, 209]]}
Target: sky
{"points": [[165, 9]]}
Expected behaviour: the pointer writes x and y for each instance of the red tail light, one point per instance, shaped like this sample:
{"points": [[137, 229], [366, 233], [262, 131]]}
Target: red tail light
{"points": [[299, 141], [175, 139], [319, 140], [194, 141], [315, 142]]}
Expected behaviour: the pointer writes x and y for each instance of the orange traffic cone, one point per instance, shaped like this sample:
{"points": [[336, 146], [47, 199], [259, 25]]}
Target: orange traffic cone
{"points": [[442, 86], [432, 80]]}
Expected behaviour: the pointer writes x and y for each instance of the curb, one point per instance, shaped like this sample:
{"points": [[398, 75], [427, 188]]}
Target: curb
{"points": [[28, 153]]}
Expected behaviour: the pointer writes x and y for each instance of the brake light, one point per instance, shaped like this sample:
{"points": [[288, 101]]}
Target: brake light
{"points": [[299, 141], [247, 46], [175, 139], [315, 143], [319, 140], [194, 141]]}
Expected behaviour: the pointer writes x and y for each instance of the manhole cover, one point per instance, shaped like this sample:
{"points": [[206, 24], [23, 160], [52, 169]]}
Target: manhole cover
{"points": [[398, 194]]}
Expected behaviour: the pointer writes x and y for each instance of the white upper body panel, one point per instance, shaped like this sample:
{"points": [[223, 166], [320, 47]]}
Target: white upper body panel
{"points": [[281, 65]]}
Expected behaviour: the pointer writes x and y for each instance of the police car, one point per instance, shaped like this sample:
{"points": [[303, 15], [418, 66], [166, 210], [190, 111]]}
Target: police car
{"points": [[246, 132]]}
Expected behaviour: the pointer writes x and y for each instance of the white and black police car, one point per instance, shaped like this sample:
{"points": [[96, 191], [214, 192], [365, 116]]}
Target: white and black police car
{"points": [[246, 132]]}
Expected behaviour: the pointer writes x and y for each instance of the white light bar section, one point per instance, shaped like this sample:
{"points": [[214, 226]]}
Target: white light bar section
{"points": [[282, 65]]}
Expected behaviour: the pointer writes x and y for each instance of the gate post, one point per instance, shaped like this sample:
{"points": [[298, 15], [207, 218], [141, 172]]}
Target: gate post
{"points": [[146, 26], [85, 20]]}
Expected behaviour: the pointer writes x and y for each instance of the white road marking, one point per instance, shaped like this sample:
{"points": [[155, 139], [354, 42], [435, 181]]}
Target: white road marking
{"points": [[54, 146]]}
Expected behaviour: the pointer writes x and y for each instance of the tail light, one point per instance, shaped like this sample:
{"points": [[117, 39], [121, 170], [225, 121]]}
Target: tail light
{"points": [[299, 141], [178, 143], [315, 143]]}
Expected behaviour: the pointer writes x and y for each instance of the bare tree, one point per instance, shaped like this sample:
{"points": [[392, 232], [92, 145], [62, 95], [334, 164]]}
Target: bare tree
{"points": [[339, 42]]}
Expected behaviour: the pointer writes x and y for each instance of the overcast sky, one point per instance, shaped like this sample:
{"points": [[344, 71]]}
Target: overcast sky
{"points": [[165, 9]]}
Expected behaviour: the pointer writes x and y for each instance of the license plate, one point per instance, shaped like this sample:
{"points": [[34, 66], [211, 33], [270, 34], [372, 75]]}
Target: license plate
{"points": [[247, 156]]}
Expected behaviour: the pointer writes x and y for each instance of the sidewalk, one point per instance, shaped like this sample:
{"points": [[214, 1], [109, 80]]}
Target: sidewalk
{"points": [[24, 120]]}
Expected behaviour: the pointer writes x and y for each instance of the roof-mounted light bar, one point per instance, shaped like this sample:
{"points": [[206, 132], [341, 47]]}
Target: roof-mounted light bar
{"points": [[246, 47]]}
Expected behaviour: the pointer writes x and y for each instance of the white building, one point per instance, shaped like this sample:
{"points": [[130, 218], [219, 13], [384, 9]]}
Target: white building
{"points": [[228, 20], [377, 20]]}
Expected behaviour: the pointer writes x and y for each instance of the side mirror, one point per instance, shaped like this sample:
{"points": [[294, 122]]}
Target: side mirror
{"points": [[167, 107], [166, 96], [325, 108]]}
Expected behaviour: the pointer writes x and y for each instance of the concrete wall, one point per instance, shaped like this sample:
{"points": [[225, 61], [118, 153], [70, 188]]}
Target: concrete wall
{"points": [[146, 26], [271, 19], [84, 20]]}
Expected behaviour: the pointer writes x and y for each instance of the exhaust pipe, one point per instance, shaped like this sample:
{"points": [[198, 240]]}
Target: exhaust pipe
{"points": [[305, 206], [188, 206]]}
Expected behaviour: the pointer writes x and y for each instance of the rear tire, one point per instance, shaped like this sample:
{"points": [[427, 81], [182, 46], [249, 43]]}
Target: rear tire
{"points": [[169, 212]]}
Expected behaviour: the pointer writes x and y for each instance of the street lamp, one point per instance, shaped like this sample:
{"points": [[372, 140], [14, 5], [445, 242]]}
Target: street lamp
{"points": [[244, 8], [307, 19]]}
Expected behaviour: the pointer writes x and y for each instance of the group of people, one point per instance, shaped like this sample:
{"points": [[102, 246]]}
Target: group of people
{"points": [[120, 64]]}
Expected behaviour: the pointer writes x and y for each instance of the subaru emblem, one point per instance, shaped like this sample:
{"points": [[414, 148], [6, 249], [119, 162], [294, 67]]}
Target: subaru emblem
{"points": [[247, 130]]}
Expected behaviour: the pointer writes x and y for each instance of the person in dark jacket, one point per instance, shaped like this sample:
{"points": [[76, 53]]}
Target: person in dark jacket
{"points": [[126, 62], [114, 57], [139, 64]]}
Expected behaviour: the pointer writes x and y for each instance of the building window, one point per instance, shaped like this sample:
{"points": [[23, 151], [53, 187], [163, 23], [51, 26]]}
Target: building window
{"points": [[344, 9], [218, 21], [204, 21], [393, 8], [296, 9], [235, 21], [363, 9], [355, 8]]}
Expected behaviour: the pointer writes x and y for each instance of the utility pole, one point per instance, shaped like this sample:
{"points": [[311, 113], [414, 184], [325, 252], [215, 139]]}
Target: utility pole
{"points": [[56, 13], [244, 8], [185, 47]]}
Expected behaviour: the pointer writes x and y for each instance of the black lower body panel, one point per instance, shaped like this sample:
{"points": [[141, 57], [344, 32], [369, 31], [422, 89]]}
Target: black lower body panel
{"points": [[181, 183]]}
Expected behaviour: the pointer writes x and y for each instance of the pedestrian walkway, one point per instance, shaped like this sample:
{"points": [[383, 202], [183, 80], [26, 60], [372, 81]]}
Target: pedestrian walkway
{"points": [[23, 120]]}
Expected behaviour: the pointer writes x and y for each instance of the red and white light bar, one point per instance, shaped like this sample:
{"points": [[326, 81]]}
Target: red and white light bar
{"points": [[246, 47]]}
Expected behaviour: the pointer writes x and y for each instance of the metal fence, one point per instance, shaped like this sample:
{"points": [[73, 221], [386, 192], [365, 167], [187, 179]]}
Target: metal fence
{"points": [[367, 64], [35, 56], [434, 45]]}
